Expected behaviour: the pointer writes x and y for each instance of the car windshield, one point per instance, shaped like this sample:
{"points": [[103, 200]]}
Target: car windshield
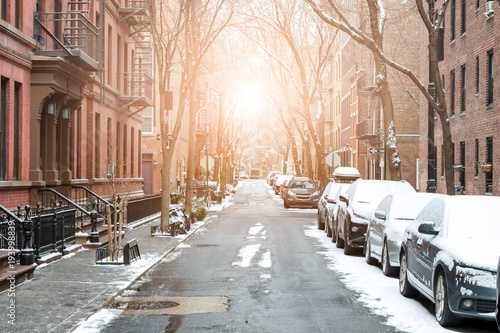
{"points": [[302, 184], [475, 218]]}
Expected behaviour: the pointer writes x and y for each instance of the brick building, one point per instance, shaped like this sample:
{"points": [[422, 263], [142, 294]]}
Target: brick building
{"points": [[358, 137], [71, 88], [471, 37]]}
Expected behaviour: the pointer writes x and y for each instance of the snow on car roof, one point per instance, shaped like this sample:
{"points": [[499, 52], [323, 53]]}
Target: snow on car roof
{"points": [[346, 172]]}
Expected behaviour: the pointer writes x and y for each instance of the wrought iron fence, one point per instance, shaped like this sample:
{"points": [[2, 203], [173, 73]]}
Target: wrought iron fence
{"points": [[88, 200]]}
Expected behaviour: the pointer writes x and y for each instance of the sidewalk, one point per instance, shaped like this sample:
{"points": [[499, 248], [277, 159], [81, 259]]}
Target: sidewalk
{"points": [[65, 292]]}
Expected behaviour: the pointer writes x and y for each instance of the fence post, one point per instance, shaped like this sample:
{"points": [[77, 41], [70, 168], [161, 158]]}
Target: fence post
{"points": [[38, 230], [94, 235], [54, 228], [27, 253], [63, 246]]}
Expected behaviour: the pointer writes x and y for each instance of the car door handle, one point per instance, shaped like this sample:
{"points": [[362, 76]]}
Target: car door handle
{"points": [[419, 242]]}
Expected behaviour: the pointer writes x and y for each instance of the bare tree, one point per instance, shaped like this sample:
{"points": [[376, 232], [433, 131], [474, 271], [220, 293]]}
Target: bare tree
{"points": [[432, 18]]}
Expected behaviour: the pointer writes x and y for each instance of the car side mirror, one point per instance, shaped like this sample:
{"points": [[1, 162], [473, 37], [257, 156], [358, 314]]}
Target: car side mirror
{"points": [[428, 228], [343, 198], [380, 214], [330, 200]]}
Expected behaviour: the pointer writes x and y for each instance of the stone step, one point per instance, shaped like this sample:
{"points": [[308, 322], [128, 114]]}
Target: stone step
{"points": [[12, 276]]}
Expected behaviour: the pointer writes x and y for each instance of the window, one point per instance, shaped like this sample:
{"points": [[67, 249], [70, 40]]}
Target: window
{"points": [[463, 17], [489, 159], [118, 60], [132, 152], [17, 99], [97, 144], [4, 10], [477, 75], [139, 162], [117, 150], [17, 10], [489, 94], [477, 159], [452, 92], [125, 150], [462, 162], [147, 115], [452, 20], [462, 89], [110, 55], [3, 128]]}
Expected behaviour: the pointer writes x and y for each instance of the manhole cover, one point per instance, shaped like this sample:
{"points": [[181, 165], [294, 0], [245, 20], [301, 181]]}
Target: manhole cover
{"points": [[153, 305]]}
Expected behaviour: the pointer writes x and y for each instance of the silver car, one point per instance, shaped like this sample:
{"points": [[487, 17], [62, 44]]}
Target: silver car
{"points": [[385, 229]]}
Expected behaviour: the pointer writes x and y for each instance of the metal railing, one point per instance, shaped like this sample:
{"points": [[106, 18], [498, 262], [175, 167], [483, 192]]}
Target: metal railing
{"points": [[52, 200], [89, 200], [10, 230]]}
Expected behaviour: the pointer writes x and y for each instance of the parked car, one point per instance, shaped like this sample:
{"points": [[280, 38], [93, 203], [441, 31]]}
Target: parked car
{"points": [[279, 180], [322, 207], [345, 175], [283, 187], [301, 191], [340, 175], [386, 228], [332, 207], [361, 200], [450, 255], [271, 177]]}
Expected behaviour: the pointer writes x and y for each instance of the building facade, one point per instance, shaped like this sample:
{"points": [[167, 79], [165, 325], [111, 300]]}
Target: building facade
{"points": [[471, 37], [74, 78]]}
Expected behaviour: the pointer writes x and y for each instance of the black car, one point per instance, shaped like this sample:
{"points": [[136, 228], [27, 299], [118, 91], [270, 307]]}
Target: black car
{"points": [[450, 255], [361, 199]]}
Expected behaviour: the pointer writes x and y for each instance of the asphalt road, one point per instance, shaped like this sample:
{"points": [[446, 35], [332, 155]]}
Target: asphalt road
{"points": [[251, 269]]}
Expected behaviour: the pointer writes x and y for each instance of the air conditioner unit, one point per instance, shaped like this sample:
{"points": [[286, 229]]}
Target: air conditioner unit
{"points": [[489, 8], [111, 170]]}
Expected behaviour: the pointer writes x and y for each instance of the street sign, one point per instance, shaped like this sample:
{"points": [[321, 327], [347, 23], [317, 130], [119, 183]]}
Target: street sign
{"points": [[376, 150]]}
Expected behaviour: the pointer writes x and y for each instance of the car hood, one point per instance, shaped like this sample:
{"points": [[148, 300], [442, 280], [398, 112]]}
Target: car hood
{"points": [[481, 253]]}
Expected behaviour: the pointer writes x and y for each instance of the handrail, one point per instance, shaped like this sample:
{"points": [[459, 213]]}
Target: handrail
{"points": [[11, 215], [89, 195], [93, 194], [59, 195]]}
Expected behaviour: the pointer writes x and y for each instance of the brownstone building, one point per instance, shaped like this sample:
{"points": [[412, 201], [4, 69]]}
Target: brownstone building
{"points": [[75, 76], [471, 37]]}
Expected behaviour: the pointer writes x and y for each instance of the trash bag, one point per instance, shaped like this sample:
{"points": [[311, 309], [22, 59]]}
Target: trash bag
{"points": [[178, 221]]}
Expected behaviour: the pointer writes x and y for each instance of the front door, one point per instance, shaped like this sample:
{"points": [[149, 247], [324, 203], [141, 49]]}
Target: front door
{"points": [[147, 174]]}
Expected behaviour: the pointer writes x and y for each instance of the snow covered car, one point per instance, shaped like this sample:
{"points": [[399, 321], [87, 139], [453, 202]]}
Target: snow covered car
{"points": [[332, 207], [450, 255], [301, 191], [279, 180], [341, 175], [361, 199], [386, 228], [322, 207]]}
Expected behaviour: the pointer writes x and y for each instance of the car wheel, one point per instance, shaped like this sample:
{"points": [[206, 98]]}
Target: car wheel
{"points": [[444, 316], [348, 250], [328, 229], [321, 224], [405, 288], [285, 203], [387, 269], [368, 255], [339, 242], [334, 233]]}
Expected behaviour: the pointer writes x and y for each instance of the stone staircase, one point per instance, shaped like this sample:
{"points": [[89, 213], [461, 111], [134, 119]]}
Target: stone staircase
{"points": [[11, 272]]}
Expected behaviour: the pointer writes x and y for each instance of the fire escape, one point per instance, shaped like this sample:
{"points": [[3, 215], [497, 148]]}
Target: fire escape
{"points": [[138, 84], [69, 35]]}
